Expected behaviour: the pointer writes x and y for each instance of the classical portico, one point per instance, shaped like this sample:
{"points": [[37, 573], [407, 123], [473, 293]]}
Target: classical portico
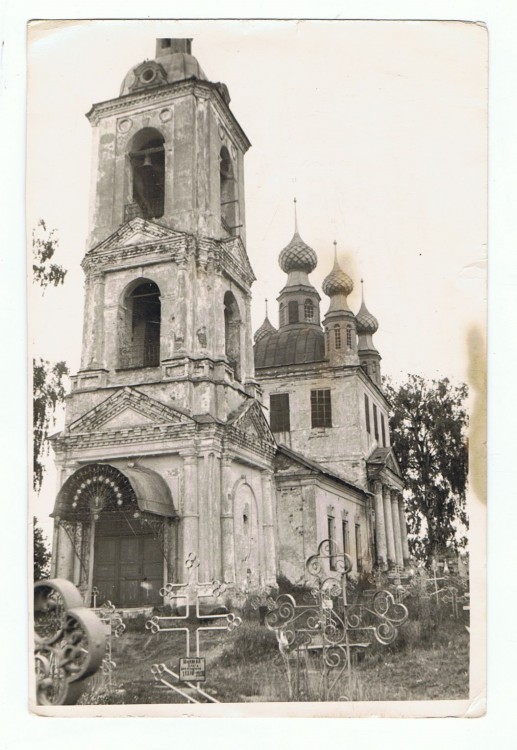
{"points": [[391, 540]]}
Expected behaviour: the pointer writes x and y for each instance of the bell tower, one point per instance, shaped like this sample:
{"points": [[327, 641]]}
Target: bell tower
{"points": [[168, 149], [165, 451], [168, 279]]}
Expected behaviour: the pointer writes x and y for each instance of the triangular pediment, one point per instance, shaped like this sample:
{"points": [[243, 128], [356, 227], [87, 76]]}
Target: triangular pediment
{"points": [[135, 233], [127, 408], [236, 250], [250, 419], [383, 458]]}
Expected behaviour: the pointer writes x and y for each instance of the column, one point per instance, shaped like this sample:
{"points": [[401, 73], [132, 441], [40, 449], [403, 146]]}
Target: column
{"points": [[268, 529], [190, 509], [403, 530], [388, 520], [227, 540], [396, 527], [380, 527]]}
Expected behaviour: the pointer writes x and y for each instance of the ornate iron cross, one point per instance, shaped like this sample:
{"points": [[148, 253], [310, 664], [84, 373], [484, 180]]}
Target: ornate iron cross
{"points": [[326, 625], [190, 595]]}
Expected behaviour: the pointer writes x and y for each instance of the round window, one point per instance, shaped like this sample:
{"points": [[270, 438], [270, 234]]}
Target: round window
{"points": [[148, 75]]}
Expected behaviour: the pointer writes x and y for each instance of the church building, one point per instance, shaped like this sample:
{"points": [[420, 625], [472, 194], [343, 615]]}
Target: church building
{"points": [[181, 438]]}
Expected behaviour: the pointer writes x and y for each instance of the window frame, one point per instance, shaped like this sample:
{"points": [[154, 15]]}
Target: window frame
{"points": [[282, 412], [321, 408]]}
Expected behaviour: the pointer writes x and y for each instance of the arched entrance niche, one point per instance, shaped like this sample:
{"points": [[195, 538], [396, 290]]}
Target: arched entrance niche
{"points": [[232, 333], [147, 165], [247, 538], [116, 522], [140, 325]]}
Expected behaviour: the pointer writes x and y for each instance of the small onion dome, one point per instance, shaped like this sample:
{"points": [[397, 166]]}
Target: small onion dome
{"points": [[266, 329], [337, 282], [297, 256], [365, 321]]}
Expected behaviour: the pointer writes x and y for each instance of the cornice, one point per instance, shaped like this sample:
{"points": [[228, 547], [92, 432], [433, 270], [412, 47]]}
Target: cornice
{"points": [[202, 89]]}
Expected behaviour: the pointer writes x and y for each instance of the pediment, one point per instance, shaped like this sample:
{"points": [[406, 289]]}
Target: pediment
{"points": [[251, 420], [236, 250], [135, 233], [383, 458], [127, 408]]}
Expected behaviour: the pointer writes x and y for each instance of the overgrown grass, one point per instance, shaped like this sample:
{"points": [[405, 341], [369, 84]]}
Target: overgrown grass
{"points": [[428, 660]]}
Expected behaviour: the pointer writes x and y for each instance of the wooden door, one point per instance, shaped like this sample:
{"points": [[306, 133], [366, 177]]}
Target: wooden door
{"points": [[128, 569]]}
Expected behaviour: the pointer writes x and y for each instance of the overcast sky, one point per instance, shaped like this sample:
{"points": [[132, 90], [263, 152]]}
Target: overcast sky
{"points": [[378, 129]]}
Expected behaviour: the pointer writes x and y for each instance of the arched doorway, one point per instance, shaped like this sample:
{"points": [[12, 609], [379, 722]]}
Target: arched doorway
{"points": [[120, 546]]}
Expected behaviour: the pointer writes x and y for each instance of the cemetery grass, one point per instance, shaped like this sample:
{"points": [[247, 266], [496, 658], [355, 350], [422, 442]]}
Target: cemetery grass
{"points": [[429, 661]]}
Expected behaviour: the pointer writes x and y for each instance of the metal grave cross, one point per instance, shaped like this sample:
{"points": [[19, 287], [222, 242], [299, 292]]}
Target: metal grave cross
{"points": [[190, 595], [328, 626]]}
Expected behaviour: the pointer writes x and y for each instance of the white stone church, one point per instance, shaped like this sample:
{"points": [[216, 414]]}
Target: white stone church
{"points": [[181, 436]]}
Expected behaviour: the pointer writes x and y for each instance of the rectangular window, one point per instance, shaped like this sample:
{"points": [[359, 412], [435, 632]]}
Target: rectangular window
{"points": [[279, 410], [383, 431], [293, 312], [337, 334], [375, 423], [321, 412], [330, 529], [344, 530], [358, 551], [367, 412]]}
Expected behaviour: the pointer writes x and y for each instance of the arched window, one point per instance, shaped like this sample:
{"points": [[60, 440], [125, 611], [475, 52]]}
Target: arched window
{"points": [[281, 314], [147, 158], [349, 336], [308, 309], [140, 337], [228, 192], [337, 337], [232, 333], [293, 312]]}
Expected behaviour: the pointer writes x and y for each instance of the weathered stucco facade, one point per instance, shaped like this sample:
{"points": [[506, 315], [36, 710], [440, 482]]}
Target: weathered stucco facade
{"points": [[166, 451]]}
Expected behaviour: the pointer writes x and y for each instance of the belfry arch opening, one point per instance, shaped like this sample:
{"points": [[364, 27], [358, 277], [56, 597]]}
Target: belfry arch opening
{"points": [[232, 333], [140, 325], [228, 192], [147, 162]]}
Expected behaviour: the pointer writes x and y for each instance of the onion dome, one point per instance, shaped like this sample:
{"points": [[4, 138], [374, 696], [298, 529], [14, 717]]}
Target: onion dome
{"points": [[297, 256], [365, 321], [266, 329], [337, 282]]}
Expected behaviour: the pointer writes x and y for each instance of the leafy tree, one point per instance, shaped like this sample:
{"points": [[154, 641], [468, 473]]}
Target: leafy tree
{"points": [[44, 245], [41, 553], [48, 379], [428, 422], [48, 392]]}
